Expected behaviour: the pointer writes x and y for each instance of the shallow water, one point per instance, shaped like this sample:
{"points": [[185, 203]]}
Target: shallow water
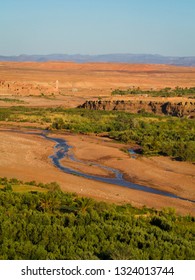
{"points": [[62, 149]]}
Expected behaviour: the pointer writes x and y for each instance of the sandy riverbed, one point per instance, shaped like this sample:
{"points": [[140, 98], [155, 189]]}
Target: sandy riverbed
{"points": [[26, 157]]}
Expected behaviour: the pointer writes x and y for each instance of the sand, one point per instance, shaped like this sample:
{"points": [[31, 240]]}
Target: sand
{"points": [[33, 82], [26, 157]]}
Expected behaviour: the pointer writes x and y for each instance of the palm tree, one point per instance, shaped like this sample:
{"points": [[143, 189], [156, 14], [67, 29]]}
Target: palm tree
{"points": [[84, 203]]}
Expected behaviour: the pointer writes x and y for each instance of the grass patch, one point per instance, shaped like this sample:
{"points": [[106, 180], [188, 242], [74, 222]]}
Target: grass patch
{"points": [[25, 188], [14, 100]]}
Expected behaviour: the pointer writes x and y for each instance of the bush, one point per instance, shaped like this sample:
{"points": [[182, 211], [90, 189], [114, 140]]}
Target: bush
{"points": [[161, 222]]}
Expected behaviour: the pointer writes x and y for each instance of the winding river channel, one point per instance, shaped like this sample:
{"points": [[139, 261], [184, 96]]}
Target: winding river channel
{"points": [[63, 150]]}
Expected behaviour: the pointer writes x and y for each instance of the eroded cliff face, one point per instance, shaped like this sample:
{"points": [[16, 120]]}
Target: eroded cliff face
{"points": [[179, 109]]}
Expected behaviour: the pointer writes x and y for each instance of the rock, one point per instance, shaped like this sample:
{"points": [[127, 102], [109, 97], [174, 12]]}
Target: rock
{"points": [[160, 108]]}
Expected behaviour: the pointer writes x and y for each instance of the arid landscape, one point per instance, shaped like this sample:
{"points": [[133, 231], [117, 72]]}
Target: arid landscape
{"points": [[97, 139], [26, 157], [69, 85], [86, 80]]}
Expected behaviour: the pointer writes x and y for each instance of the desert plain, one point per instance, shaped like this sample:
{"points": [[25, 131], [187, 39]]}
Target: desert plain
{"points": [[68, 85]]}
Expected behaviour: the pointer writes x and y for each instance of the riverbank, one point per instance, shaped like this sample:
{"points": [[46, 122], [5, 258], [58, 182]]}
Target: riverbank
{"points": [[158, 172]]}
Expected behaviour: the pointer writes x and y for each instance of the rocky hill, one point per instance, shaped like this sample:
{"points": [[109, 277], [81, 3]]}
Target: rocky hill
{"points": [[117, 57]]}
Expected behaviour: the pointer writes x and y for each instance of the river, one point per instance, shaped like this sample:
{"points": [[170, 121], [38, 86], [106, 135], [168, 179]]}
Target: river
{"points": [[62, 150]]}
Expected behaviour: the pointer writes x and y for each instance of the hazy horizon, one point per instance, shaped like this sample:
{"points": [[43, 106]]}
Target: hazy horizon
{"points": [[97, 27], [98, 54]]}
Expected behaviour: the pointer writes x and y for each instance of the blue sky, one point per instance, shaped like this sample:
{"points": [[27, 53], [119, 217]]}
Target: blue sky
{"points": [[165, 27]]}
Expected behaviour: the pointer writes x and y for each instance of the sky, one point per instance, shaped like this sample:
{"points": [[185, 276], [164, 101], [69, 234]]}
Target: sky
{"points": [[165, 27]]}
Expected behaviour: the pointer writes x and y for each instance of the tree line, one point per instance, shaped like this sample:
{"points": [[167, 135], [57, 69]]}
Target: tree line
{"points": [[164, 92], [56, 225], [156, 135], [166, 136]]}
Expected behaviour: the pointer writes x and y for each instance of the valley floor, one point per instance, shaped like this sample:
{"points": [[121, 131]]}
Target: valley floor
{"points": [[26, 157]]}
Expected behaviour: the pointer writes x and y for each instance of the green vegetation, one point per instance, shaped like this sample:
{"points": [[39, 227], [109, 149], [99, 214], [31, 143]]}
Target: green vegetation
{"points": [[12, 100], [157, 135], [19, 186], [56, 225], [173, 137], [165, 92]]}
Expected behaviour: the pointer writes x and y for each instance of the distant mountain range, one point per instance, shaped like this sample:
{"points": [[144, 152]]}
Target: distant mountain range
{"points": [[123, 58]]}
